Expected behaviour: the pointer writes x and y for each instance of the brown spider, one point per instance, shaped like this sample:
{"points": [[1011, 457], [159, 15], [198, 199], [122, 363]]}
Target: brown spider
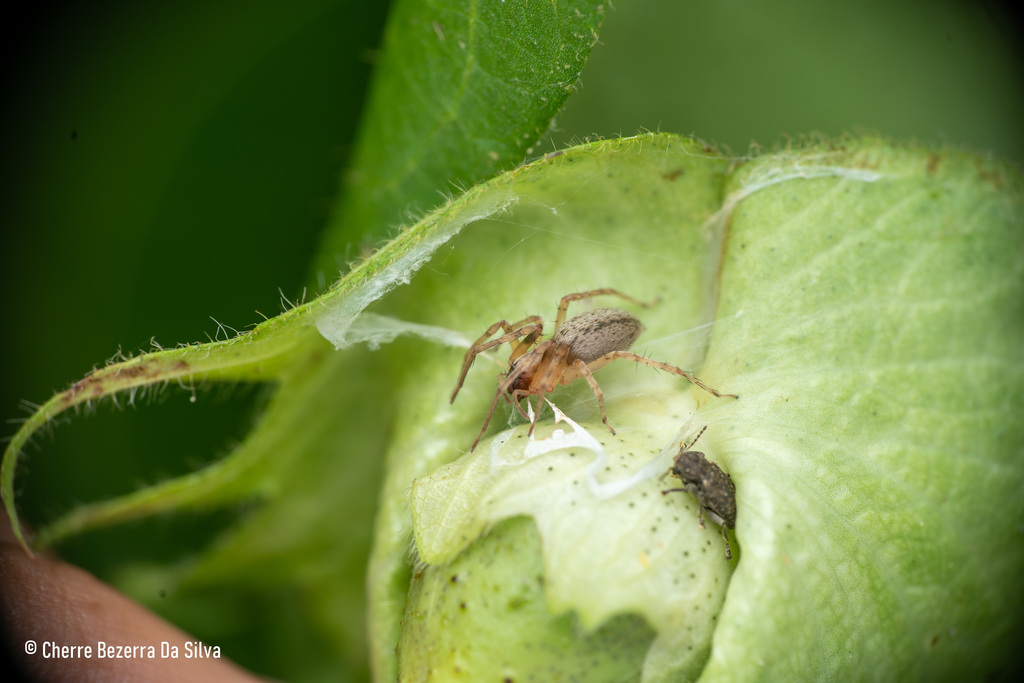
{"points": [[578, 347]]}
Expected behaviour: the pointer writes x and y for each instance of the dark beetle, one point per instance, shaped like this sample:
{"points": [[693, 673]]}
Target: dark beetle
{"points": [[713, 489]]}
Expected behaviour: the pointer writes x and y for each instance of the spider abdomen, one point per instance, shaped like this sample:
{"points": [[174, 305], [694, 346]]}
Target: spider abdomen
{"points": [[596, 332]]}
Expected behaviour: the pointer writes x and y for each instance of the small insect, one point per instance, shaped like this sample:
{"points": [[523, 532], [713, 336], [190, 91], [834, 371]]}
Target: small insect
{"points": [[713, 489], [578, 347]]}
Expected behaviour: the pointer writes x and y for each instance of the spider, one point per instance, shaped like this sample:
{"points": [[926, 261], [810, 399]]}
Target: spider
{"points": [[577, 348]]}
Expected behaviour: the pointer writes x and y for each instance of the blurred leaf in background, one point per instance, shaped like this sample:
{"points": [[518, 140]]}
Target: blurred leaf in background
{"points": [[737, 72]]}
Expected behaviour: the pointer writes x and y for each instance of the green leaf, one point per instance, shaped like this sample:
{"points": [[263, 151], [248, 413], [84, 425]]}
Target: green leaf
{"points": [[499, 590], [876, 337], [864, 301], [560, 227], [463, 90]]}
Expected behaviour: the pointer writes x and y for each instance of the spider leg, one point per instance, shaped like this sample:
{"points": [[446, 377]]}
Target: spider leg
{"points": [[536, 413], [519, 406], [525, 344], [502, 388], [725, 537], [583, 370], [529, 327], [563, 305], [487, 420], [626, 355]]}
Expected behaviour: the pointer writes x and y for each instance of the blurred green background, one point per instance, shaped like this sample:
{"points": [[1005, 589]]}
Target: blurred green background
{"points": [[736, 72], [165, 165]]}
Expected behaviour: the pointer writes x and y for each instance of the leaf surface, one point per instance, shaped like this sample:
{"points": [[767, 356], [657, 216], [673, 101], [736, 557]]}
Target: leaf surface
{"points": [[864, 301], [463, 90]]}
